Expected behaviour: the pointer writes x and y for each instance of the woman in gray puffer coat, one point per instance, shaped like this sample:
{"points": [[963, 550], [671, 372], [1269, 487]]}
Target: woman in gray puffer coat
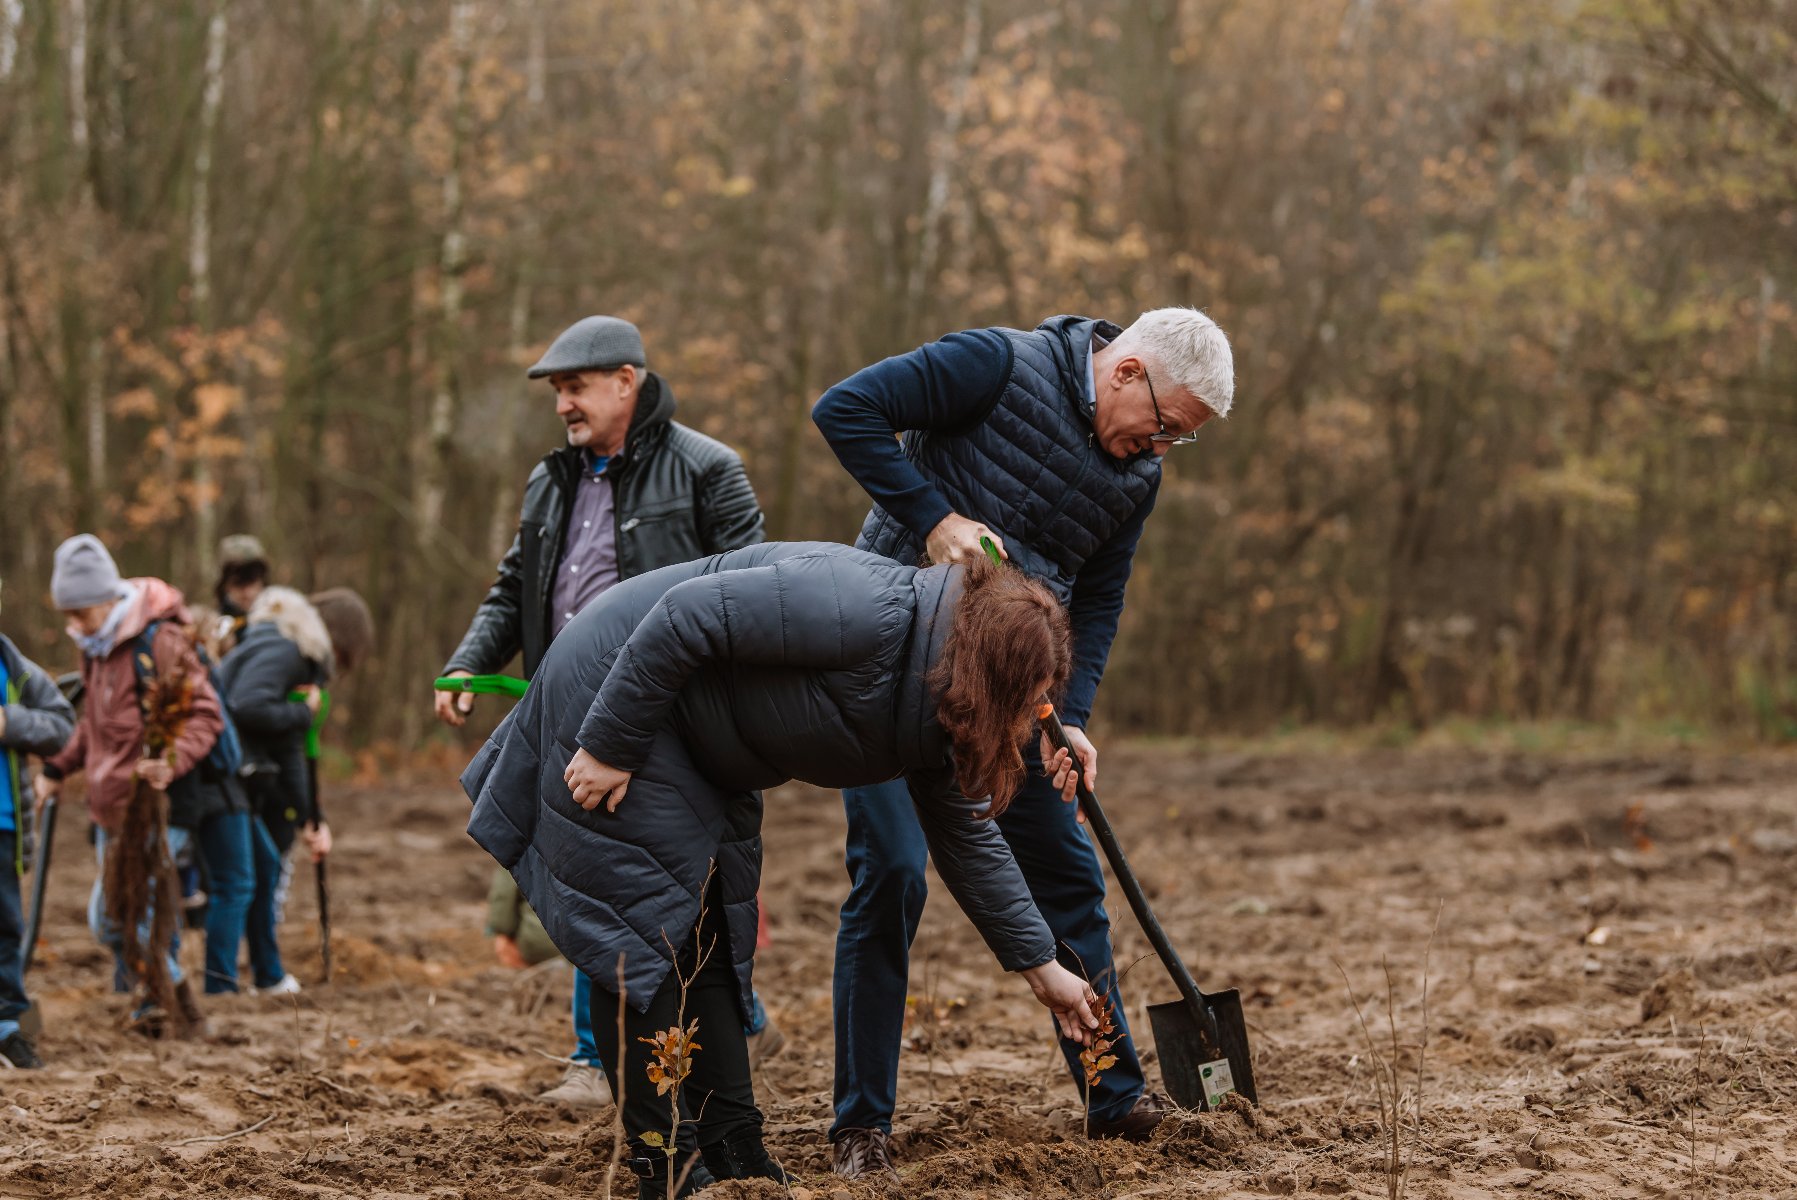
{"points": [[694, 687]]}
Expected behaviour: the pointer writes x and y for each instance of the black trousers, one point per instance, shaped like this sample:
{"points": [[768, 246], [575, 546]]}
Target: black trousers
{"points": [[717, 1096]]}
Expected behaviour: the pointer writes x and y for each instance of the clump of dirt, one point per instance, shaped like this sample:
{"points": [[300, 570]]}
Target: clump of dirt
{"points": [[1529, 1039], [1674, 993]]}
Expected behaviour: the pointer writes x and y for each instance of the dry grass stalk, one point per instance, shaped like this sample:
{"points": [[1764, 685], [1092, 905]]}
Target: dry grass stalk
{"points": [[617, 1112], [674, 1046], [1395, 1101]]}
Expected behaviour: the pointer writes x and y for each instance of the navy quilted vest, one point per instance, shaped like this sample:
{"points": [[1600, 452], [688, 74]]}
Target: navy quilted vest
{"points": [[1031, 470]]}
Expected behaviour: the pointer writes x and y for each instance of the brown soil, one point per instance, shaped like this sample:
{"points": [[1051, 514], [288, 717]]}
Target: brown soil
{"points": [[1609, 1003]]}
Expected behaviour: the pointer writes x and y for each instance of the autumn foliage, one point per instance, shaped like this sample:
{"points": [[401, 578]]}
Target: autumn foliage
{"points": [[1510, 285]]}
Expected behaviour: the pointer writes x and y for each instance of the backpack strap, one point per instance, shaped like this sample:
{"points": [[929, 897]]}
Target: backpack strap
{"points": [[143, 664]]}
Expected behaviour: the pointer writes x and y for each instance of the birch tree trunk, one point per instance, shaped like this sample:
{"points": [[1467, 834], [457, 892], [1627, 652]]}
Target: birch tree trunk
{"points": [[433, 477], [942, 161], [199, 267], [84, 384], [505, 436], [12, 14]]}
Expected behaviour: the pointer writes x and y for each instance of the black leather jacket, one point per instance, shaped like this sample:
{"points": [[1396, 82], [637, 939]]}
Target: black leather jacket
{"points": [[679, 495]]}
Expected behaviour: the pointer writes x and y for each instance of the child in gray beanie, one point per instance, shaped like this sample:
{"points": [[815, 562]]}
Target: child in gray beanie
{"points": [[84, 575]]}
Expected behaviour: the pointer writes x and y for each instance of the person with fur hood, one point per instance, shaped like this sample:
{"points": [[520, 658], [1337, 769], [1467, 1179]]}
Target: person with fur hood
{"points": [[284, 650], [109, 618]]}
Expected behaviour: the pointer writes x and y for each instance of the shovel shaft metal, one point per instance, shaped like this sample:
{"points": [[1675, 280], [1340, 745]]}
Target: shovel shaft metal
{"points": [[318, 868], [1132, 888]]}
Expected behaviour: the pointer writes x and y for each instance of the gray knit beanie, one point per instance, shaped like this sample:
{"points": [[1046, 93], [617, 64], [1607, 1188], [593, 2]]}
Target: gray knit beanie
{"points": [[84, 574]]}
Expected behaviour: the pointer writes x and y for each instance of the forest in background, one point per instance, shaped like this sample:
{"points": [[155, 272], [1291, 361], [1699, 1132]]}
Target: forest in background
{"points": [[1510, 282]]}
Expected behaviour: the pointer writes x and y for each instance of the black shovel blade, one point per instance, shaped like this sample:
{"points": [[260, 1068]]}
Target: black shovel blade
{"points": [[1198, 1069]]}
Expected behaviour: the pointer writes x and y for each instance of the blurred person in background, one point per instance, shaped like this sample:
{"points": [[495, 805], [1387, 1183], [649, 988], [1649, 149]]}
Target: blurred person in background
{"points": [[125, 627], [284, 651], [35, 718]]}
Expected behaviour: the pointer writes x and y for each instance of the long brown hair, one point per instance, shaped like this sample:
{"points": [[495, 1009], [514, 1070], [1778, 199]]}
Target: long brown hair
{"points": [[1009, 635]]}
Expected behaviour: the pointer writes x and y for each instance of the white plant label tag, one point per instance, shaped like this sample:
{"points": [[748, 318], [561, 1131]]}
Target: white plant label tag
{"points": [[1218, 1082]]}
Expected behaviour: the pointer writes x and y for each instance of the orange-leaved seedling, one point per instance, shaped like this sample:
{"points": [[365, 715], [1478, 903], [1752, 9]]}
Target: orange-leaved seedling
{"points": [[673, 1060]]}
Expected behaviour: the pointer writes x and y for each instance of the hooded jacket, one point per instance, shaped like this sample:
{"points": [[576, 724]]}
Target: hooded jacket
{"points": [[678, 495], [109, 736], [39, 720], [711, 680], [283, 647]]}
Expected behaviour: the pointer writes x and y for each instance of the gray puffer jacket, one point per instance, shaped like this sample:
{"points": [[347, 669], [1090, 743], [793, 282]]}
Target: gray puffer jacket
{"points": [[709, 681]]}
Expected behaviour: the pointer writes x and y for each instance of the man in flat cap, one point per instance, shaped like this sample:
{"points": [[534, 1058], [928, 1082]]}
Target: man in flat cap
{"points": [[632, 490]]}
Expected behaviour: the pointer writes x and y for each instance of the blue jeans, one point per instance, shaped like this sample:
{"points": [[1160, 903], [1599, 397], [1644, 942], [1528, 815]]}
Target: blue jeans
{"points": [[265, 906], [225, 846], [886, 859], [586, 1048], [106, 930], [12, 928]]}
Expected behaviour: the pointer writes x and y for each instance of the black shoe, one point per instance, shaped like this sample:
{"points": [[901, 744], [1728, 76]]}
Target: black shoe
{"points": [[1136, 1125], [651, 1165], [18, 1052], [744, 1157]]}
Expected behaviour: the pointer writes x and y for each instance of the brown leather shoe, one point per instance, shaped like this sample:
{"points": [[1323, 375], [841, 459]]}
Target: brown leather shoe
{"points": [[863, 1154], [1136, 1125]]}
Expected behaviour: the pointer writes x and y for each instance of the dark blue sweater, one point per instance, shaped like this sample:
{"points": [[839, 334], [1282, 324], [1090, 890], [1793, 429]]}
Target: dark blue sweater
{"points": [[952, 385]]}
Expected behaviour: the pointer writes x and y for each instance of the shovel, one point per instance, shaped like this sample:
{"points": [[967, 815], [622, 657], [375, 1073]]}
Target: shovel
{"points": [[488, 685], [1202, 1039], [319, 874], [40, 876]]}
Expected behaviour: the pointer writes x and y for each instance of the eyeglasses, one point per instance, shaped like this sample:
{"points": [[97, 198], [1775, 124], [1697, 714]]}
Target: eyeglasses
{"points": [[1171, 439]]}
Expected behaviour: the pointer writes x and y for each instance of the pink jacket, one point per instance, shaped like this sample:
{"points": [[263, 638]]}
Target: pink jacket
{"points": [[108, 738]]}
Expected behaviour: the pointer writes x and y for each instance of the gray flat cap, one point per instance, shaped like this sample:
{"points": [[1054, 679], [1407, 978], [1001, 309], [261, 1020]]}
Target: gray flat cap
{"points": [[592, 344]]}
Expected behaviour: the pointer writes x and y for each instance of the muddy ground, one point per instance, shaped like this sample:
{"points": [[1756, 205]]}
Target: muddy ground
{"points": [[1609, 1003]]}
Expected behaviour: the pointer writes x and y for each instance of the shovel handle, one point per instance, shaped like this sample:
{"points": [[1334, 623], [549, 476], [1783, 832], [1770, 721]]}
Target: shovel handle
{"points": [[494, 685], [40, 873], [1132, 888]]}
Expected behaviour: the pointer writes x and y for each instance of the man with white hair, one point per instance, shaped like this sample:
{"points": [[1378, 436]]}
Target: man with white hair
{"points": [[1048, 442]]}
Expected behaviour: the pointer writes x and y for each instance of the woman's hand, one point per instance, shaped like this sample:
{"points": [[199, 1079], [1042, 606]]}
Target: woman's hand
{"points": [[592, 782], [1057, 765], [318, 840], [156, 772], [1070, 998]]}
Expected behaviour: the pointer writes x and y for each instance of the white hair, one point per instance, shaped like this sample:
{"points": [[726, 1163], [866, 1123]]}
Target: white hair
{"points": [[1189, 349]]}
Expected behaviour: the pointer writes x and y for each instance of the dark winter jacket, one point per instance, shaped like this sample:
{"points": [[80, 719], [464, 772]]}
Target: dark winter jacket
{"points": [[679, 495], [710, 680], [997, 426], [39, 720], [283, 647]]}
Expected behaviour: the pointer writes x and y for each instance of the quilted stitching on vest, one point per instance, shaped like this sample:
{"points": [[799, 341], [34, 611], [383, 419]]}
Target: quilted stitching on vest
{"points": [[1032, 471]]}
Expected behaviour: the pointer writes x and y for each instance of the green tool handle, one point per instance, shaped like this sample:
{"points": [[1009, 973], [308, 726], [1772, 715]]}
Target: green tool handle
{"points": [[318, 718], [991, 551], [492, 685]]}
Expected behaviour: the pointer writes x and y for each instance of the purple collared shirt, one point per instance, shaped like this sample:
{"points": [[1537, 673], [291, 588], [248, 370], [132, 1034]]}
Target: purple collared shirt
{"points": [[589, 547]]}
